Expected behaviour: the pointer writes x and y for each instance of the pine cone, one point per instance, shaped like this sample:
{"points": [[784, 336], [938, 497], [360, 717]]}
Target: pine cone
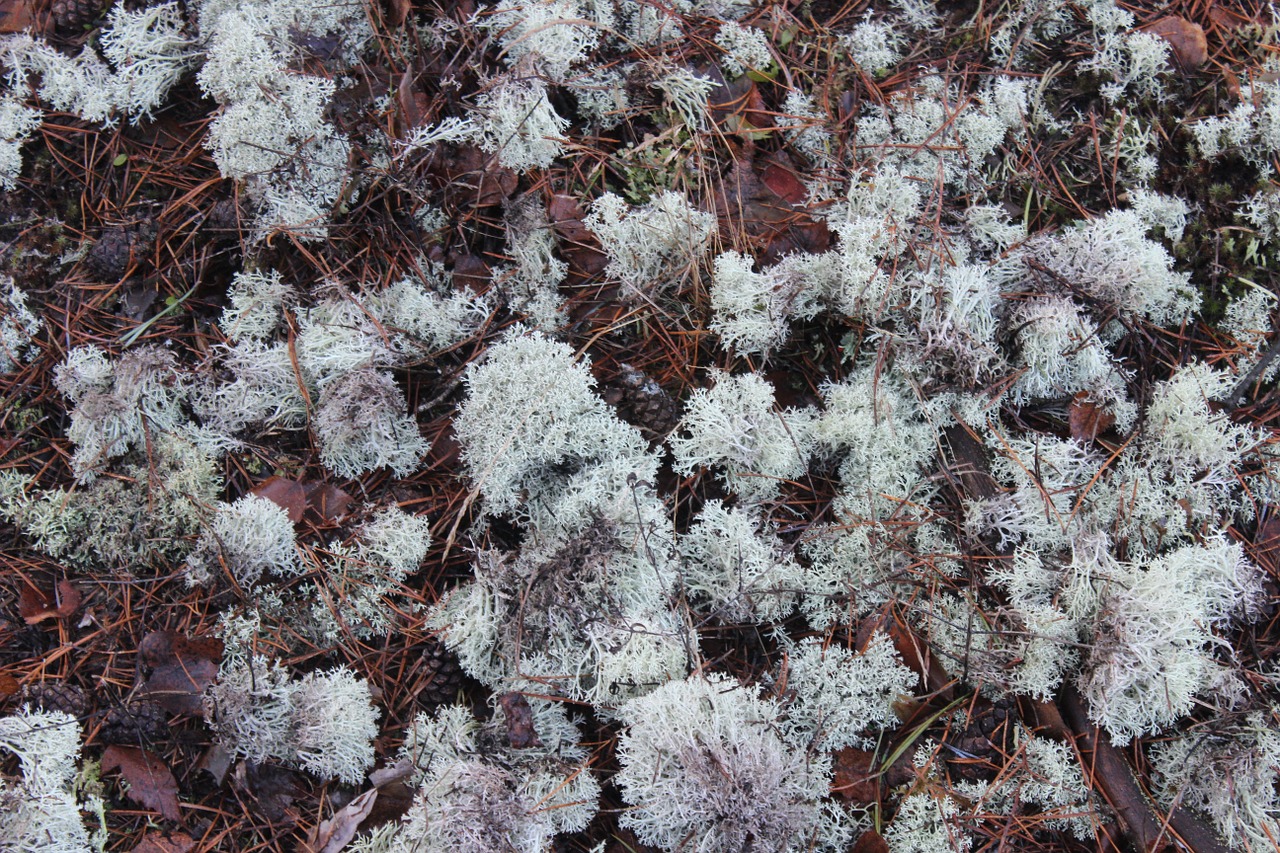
{"points": [[75, 14], [979, 751], [57, 696], [224, 218], [138, 722], [117, 248], [644, 403], [442, 675]]}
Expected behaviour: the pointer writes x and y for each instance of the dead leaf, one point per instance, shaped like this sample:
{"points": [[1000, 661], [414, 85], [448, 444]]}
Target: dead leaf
{"points": [[216, 761], [1086, 419], [325, 503], [272, 788], [520, 733], [871, 842], [17, 16], [394, 800], [161, 648], [413, 101], [36, 606], [397, 772], [179, 689], [471, 271], [151, 782], [182, 668], [289, 495], [740, 108], [8, 685], [855, 778], [783, 182], [336, 833], [1266, 541], [399, 10], [155, 842], [1189, 47]]}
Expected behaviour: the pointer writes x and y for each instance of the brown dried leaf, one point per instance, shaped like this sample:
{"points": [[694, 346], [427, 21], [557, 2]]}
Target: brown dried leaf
{"points": [[179, 688], [1266, 541], [783, 182], [154, 842], [17, 16], [151, 782], [182, 667], [1189, 47], [413, 104], [325, 503], [871, 842], [336, 833], [1086, 419], [8, 685], [855, 778], [272, 788], [289, 495], [399, 10], [520, 733], [36, 606]]}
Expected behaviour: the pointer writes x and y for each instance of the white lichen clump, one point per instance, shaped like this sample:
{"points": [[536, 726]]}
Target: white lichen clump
{"points": [[18, 325], [873, 45], [519, 125], [480, 790], [272, 132], [651, 248], [843, 698], [351, 594], [1151, 658], [249, 537], [40, 812], [363, 424], [704, 768], [751, 309], [553, 34], [148, 53], [17, 123], [745, 49], [736, 426], [538, 441], [1228, 772], [323, 723], [736, 571]]}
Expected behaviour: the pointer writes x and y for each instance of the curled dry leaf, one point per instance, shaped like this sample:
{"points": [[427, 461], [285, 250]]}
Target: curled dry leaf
{"points": [[155, 842], [289, 495], [336, 833], [36, 606], [312, 501], [18, 16], [151, 782], [1087, 419], [1186, 39], [520, 733], [856, 779], [871, 842], [182, 668]]}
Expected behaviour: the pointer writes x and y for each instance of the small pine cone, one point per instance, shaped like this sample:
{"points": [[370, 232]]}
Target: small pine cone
{"points": [[979, 751], [442, 675], [224, 218], [57, 696], [645, 404], [139, 722], [75, 14], [117, 248]]}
